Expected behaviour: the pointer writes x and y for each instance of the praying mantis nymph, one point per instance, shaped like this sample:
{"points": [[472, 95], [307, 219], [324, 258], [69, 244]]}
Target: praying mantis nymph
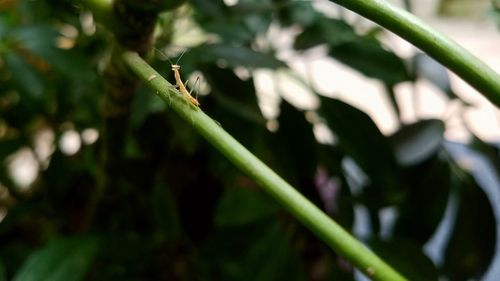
{"points": [[180, 85], [178, 81]]}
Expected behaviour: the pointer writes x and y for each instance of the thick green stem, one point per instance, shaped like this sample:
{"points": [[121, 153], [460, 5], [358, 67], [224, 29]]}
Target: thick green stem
{"points": [[301, 208], [438, 46]]}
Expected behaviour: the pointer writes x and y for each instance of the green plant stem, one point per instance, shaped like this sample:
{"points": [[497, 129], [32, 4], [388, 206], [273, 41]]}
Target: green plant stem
{"points": [[438, 46], [301, 208]]}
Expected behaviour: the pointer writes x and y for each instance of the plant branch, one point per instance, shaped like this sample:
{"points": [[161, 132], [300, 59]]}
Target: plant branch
{"points": [[301, 208], [438, 46]]}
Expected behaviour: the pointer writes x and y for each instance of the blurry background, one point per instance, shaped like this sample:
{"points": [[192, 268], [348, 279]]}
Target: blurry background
{"points": [[100, 181]]}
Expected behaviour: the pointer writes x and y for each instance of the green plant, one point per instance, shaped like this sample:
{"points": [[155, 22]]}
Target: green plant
{"points": [[152, 200]]}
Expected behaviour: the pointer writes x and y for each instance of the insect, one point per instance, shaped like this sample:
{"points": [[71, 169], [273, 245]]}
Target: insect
{"points": [[180, 85]]}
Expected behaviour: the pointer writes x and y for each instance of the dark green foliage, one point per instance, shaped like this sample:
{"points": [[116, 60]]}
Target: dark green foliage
{"points": [[341, 117], [427, 182], [396, 252], [417, 142], [363, 53], [427, 179], [235, 56], [470, 250], [151, 200], [62, 259]]}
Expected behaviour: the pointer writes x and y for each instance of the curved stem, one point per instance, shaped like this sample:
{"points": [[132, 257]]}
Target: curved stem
{"points": [[301, 208], [438, 46]]}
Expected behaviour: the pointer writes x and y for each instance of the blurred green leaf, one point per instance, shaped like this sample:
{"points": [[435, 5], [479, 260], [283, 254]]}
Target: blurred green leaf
{"points": [[40, 40], [209, 9], [236, 56], [363, 53], [240, 206], [278, 265], [26, 77], [245, 7], [235, 110], [360, 138], [368, 57], [407, 258], [35, 37], [428, 68], [14, 252], [64, 259], [243, 254], [231, 32], [417, 142], [40, 12], [489, 150], [325, 31], [471, 247], [427, 182], [242, 103], [294, 131], [434, 72], [296, 12]]}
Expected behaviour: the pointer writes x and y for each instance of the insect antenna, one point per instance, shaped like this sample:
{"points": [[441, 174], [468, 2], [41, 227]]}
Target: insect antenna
{"points": [[163, 55], [180, 56]]}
